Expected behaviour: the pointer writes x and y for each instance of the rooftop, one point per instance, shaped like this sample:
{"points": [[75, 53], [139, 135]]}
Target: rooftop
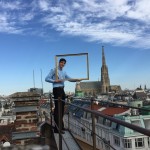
{"points": [[111, 111], [24, 94]]}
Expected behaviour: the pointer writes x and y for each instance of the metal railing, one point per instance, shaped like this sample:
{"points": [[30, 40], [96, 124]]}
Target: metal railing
{"points": [[59, 126], [96, 113]]}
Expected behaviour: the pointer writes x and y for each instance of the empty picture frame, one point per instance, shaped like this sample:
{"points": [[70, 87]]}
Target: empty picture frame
{"points": [[74, 55]]}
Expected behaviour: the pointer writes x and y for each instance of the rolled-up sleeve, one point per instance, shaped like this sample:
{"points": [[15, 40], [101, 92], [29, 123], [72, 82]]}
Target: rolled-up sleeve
{"points": [[50, 77]]}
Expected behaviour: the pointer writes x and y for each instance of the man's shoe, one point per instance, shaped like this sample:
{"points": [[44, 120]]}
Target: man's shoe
{"points": [[62, 132], [64, 129]]}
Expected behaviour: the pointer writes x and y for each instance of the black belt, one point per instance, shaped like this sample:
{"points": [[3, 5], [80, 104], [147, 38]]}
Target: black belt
{"points": [[60, 87]]}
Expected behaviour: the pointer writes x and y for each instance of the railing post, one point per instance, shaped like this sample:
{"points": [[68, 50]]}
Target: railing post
{"points": [[51, 106], [60, 122], [51, 103], [68, 116], [68, 121], [93, 126]]}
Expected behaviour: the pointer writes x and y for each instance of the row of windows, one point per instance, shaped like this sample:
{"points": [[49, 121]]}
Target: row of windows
{"points": [[127, 143], [139, 142]]}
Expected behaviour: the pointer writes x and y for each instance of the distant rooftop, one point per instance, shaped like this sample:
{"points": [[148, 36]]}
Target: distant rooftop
{"points": [[111, 111], [24, 94]]}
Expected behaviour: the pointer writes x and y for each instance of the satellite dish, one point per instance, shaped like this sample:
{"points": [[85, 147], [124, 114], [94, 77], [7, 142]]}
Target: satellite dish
{"points": [[6, 144]]}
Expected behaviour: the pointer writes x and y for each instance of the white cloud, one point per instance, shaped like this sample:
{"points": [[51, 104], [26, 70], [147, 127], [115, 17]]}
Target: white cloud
{"points": [[44, 5], [6, 26], [10, 5], [141, 11], [107, 21], [27, 17], [115, 21]]}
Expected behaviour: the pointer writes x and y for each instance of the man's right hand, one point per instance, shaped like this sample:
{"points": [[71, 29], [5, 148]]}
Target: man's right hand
{"points": [[74, 80], [57, 81]]}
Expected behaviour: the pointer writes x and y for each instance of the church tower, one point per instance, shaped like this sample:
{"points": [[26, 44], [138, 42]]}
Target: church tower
{"points": [[105, 82]]}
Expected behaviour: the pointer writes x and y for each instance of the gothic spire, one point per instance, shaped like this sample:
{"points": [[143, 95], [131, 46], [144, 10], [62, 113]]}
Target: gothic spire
{"points": [[103, 57], [105, 82]]}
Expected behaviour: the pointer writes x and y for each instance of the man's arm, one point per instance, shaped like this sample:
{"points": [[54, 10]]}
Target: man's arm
{"points": [[50, 77], [68, 78]]}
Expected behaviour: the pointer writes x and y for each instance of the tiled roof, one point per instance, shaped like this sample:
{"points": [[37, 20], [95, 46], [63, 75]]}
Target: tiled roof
{"points": [[111, 111], [95, 107], [6, 137], [90, 85], [6, 131], [24, 94]]}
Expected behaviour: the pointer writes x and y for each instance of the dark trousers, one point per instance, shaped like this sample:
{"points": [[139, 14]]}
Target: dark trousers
{"points": [[58, 92]]}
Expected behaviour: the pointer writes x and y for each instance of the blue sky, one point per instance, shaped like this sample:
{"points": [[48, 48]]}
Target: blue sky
{"points": [[32, 32]]}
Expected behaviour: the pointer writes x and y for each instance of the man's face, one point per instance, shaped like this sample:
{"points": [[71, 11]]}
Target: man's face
{"points": [[62, 64]]}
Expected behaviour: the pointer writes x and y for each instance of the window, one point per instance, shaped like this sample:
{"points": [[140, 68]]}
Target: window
{"points": [[127, 143], [100, 132], [106, 135], [99, 141], [148, 141], [147, 123], [117, 127], [100, 120], [107, 123], [107, 147], [104, 121], [136, 122], [88, 115], [116, 140], [139, 142]]}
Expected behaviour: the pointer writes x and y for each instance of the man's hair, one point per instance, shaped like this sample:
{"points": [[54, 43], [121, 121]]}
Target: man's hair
{"points": [[62, 59]]}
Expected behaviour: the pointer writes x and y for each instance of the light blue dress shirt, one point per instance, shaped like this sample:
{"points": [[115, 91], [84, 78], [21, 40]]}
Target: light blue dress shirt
{"points": [[62, 75]]}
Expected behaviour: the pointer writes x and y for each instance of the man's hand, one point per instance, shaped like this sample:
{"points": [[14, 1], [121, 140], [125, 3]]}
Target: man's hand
{"points": [[74, 80], [57, 81]]}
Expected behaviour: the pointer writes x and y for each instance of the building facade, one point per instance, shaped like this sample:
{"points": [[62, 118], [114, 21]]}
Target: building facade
{"points": [[110, 133], [26, 110]]}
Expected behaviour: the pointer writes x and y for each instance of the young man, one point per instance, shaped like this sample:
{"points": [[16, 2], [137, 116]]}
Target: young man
{"points": [[58, 89]]}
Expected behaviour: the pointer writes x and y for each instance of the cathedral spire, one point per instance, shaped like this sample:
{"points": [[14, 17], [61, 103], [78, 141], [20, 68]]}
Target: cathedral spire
{"points": [[103, 57], [105, 82]]}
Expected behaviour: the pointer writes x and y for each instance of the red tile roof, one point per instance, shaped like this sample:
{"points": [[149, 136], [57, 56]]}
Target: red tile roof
{"points": [[111, 111], [95, 107], [6, 131]]}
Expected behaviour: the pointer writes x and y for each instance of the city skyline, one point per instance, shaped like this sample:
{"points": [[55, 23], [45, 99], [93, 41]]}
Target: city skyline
{"points": [[33, 32]]}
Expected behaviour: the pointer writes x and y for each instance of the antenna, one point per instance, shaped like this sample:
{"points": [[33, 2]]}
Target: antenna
{"points": [[33, 79], [42, 81]]}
